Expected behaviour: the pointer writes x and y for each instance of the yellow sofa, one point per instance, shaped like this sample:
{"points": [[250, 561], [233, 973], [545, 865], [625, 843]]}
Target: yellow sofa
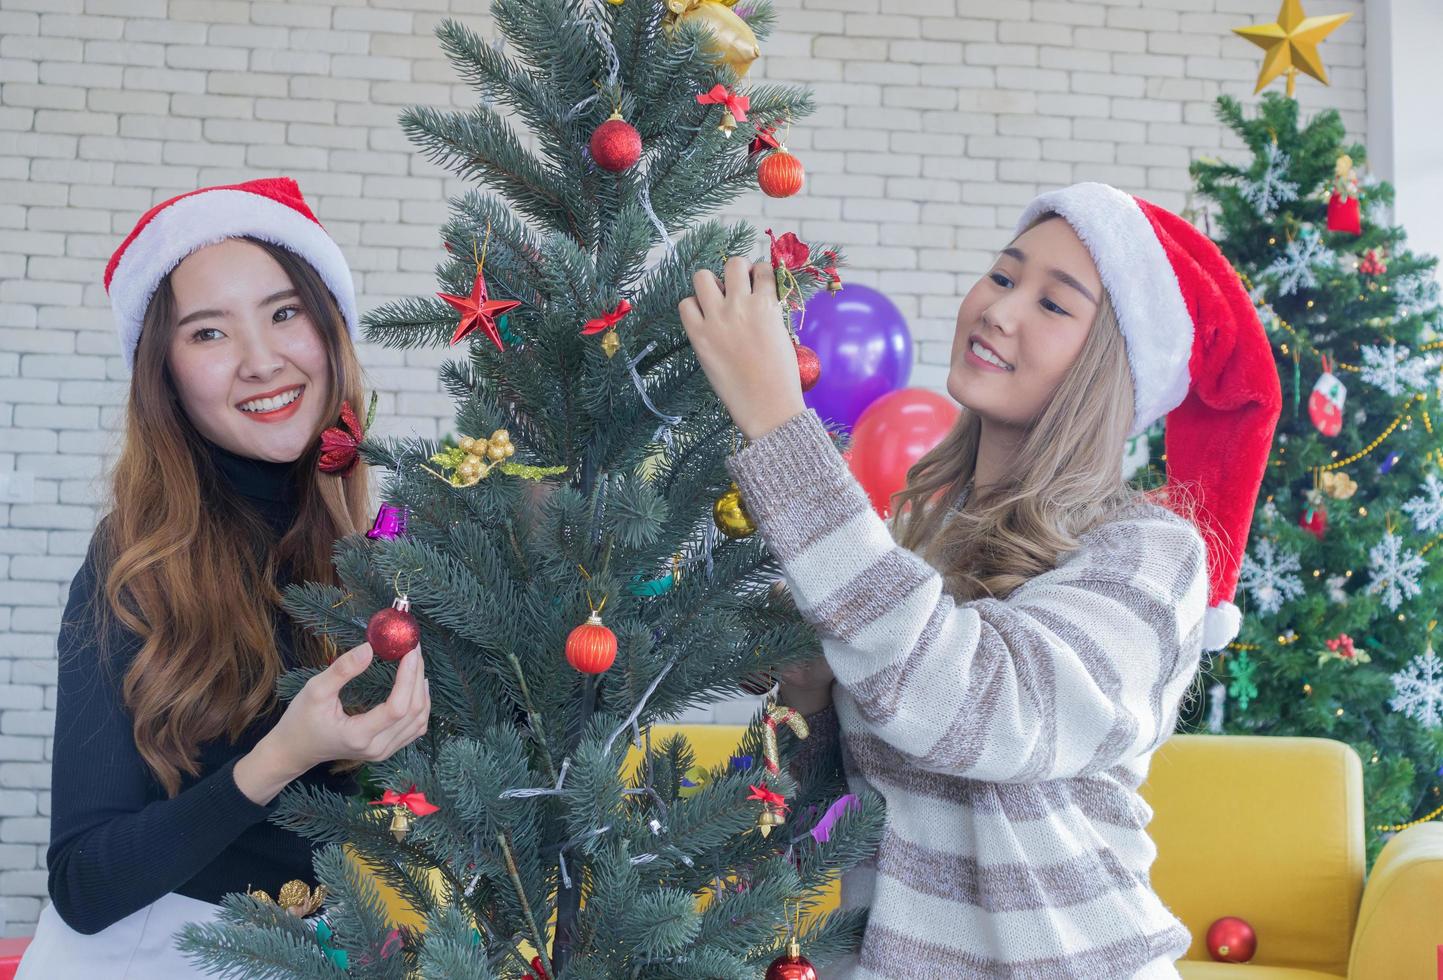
{"points": [[1269, 829]]}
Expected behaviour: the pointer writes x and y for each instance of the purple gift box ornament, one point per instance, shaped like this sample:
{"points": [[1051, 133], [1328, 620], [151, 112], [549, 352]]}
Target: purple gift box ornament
{"points": [[390, 523]]}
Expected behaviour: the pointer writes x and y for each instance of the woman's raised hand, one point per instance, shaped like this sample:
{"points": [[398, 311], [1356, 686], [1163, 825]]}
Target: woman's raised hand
{"points": [[315, 727], [742, 344]]}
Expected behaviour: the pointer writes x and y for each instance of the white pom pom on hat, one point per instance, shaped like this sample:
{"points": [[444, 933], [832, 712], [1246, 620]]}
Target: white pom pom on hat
{"points": [[269, 208]]}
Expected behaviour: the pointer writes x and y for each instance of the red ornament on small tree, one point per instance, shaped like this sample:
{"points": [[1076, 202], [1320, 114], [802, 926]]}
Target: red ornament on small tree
{"points": [[591, 647], [809, 366], [616, 145], [1231, 940], [393, 632], [780, 174], [791, 965]]}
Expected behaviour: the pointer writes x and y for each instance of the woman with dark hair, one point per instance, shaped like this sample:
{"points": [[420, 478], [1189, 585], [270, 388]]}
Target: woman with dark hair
{"points": [[236, 315]]}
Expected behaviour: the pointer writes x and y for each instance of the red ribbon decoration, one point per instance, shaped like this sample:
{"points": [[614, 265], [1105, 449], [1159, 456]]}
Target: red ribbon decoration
{"points": [[607, 320], [737, 105], [340, 448], [789, 250], [412, 800], [767, 796]]}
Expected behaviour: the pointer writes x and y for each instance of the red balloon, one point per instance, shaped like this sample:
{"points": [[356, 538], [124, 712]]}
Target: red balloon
{"points": [[894, 432]]}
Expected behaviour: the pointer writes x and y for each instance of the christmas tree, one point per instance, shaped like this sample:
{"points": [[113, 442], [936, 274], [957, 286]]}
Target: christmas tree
{"points": [[564, 557], [1342, 581]]}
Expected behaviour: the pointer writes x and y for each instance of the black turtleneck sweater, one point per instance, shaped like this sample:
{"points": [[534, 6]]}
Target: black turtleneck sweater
{"points": [[117, 842]]}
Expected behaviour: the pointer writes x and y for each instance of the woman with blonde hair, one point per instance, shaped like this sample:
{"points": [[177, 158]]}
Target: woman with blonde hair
{"points": [[236, 315], [1002, 671]]}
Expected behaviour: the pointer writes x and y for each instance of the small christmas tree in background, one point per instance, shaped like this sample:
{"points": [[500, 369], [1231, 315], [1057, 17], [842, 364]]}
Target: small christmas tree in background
{"points": [[1342, 583], [573, 562]]}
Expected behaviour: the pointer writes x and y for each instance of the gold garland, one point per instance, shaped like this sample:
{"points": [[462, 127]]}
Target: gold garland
{"points": [[1404, 826]]}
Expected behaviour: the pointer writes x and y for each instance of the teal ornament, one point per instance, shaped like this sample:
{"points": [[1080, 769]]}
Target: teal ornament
{"points": [[336, 956], [652, 588], [504, 326]]}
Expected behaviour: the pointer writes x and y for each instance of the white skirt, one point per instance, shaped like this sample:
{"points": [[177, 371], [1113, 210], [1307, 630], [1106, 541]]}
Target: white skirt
{"points": [[138, 947]]}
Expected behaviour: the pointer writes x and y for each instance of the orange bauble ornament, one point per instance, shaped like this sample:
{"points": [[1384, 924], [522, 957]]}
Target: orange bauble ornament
{"points": [[780, 174], [591, 647]]}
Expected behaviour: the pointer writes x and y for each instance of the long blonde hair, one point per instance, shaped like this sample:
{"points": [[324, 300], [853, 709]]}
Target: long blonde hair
{"points": [[186, 572], [1066, 478]]}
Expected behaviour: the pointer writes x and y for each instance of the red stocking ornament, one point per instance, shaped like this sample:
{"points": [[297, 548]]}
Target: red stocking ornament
{"points": [[1325, 404]]}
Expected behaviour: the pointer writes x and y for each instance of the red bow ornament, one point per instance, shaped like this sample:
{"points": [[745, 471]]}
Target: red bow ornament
{"points": [[736, 105], [340, 447], [607, 320], [768, 797], [411, 800]]}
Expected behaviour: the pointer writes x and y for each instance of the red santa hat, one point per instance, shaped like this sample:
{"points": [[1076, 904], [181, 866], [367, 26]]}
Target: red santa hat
{"points": [[270, 209], [1198, 355]]}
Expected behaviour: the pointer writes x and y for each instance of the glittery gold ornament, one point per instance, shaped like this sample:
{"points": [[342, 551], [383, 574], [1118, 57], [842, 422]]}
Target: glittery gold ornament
{"points": [[732, 40], [769, 818], [296, 897], [1291, 44], [731, 516]]}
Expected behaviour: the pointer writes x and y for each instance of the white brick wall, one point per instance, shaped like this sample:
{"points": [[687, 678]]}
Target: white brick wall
{"points": [[938, 119]]}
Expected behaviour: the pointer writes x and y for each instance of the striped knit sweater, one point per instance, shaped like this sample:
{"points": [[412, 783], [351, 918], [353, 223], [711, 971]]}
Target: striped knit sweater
{"points": [[1008, 737]]}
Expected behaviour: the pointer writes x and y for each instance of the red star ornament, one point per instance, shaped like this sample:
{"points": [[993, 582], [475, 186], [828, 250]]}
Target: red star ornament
{"points": [[479, 312]]}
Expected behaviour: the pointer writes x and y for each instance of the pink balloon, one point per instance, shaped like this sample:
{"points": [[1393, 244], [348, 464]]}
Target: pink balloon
{"points": [[894, 432]]}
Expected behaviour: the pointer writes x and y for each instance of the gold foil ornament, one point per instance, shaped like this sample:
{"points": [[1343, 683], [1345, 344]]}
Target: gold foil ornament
{"points": [[1338, 485], [732, 40], [730, 515]]}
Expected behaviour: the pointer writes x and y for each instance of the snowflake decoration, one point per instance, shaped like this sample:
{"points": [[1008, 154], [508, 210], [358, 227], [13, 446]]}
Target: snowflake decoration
{"points": [[1269, 578], [1427, 510], [1244, 686], [1394, 369], [1395, 570], [1294, 269], [1418, 690], [1270, 189], [1336, 589]]}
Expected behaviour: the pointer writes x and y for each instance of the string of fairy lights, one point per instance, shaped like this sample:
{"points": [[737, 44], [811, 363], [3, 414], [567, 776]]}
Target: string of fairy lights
{"points": [[1402, 421]]}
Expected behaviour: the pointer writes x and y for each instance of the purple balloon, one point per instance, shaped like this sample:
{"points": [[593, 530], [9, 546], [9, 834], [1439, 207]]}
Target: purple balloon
{"points": [[864, 346]]}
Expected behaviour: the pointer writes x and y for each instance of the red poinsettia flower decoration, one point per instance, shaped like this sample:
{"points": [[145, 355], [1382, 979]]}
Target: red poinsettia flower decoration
{"points": [[764, 140], [789, 250], [340, 447]]}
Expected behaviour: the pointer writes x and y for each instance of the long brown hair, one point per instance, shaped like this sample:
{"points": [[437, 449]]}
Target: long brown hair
{"points": [[187, 571], [1066, 479]]}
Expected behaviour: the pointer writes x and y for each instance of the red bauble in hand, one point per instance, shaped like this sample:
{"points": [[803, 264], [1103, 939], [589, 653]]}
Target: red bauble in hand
{"points": [[591, 647], [1231, 940], [809, 367], [791, 965], [780, 174], [616, 145], [393, 632]]}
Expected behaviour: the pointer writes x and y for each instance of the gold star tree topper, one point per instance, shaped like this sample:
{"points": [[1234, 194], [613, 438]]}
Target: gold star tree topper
{"points": [[1291, 44]]}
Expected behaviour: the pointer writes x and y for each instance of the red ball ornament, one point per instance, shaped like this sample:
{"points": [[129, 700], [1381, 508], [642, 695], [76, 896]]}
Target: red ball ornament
{"points": [[616, 144], [809, 367], [780, 174], [591, 647], [1231, 940], [393, 632], [791, 965]]}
